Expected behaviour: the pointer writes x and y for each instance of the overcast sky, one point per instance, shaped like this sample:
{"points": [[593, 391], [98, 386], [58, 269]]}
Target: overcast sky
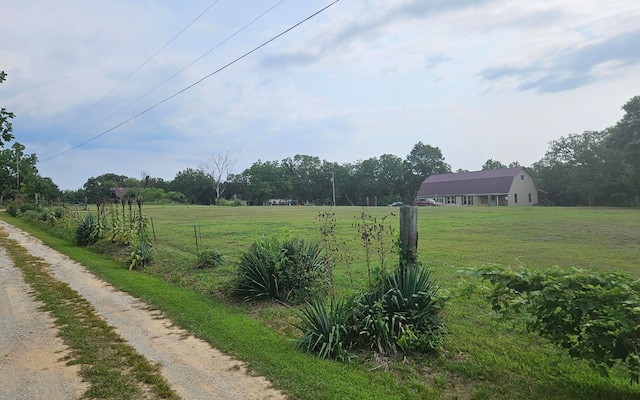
{"points": [[478, 79]]}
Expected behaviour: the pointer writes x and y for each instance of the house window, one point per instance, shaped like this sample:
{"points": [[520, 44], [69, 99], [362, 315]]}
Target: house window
{"points": [[515, 198], [521, 177], [450, 199], [529, 197]]}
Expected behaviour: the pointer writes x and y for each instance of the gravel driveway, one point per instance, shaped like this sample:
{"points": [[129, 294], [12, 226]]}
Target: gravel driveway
{"points": [[30, 349]]}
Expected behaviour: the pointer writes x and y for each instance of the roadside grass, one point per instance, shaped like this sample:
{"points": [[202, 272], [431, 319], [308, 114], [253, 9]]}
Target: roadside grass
{"points": [[113, 369], [484, 357]]}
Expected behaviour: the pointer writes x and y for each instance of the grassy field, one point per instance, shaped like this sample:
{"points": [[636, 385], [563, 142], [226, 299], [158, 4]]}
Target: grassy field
{"points": [[483, 357]]}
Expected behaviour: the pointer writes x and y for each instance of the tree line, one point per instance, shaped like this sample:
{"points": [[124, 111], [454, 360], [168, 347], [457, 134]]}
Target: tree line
{"points": [[594, 168]]}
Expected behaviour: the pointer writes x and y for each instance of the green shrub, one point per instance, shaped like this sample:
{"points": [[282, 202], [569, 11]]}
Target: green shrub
{"points": [[401, 314], [210, 258], [326, 331], [285, 269], [593, 316], [88, 231]]}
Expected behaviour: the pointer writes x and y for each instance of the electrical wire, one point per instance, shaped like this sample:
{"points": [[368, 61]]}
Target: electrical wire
{"points": [[131, 74], [181, 70], [196, 82]]}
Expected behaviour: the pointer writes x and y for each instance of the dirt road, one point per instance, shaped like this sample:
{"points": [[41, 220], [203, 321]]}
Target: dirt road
{"points": [[30, 350]]}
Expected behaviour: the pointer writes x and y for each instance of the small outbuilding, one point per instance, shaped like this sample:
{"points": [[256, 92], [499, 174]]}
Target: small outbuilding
{"points": [[493, 187]]}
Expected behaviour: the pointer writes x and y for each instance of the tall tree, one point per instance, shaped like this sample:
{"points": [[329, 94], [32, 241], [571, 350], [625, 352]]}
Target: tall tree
{"points": [[97, 188], [625, 139], [268, 180], [575, 170], [5, 119], [492, 164], [218, 168], [423, 161], [195, 185], [306, 176]]}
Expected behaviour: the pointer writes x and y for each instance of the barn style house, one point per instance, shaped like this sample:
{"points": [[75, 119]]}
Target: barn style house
{"points": [[493, 187]]}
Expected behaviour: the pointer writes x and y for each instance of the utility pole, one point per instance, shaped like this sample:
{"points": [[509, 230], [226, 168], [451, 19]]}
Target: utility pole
{"points": [[18, 167], [333, 185]]}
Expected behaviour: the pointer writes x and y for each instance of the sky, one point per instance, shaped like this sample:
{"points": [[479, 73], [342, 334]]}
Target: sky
{"points": [[140, 86]]}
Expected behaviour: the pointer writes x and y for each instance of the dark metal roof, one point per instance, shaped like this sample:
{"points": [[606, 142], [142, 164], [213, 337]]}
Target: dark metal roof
{"points": [[490, 181]]}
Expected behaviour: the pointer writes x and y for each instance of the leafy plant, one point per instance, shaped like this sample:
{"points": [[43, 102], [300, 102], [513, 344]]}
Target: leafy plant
{"points": [[402, 313], [256, 270], [140, 246], [88, 231], [593, 316], [286, 269], [326, 330], [374, 237], [210, 258]]}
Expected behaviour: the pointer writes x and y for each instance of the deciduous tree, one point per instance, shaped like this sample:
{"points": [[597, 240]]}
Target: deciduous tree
{"points": [[218, 168], [5, 120]]}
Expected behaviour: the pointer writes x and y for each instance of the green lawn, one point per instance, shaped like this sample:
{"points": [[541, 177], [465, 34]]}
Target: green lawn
{"points": [[483, 357]]}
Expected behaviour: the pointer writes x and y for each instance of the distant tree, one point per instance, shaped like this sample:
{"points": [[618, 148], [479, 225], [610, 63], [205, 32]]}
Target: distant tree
{"points": [[423, 161], [19, 174], [577, 169], [306, 176], [268, 180], [218, 168], [195, 185], [97, 189], [624, 138], [514, 164], [493, 164], [5, 120]]}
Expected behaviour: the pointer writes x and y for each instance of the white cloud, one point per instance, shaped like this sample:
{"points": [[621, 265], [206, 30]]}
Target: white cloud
{"points": [[479, 79]]}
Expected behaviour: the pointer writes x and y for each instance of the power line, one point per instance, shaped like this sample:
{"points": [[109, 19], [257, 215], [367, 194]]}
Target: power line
{"points": [[132, 73], [181, 70], [197, 82]]}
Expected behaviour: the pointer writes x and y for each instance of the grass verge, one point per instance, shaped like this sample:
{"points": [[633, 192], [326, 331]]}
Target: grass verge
{"points": [[113, 369]]}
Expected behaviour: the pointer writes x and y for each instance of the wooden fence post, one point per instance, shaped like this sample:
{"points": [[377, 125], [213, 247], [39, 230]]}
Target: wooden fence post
{"points": [[408, 234]]}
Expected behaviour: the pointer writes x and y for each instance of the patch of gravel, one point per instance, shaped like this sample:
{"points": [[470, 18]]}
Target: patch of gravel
{"points": [[30, 350], [193, 368]]}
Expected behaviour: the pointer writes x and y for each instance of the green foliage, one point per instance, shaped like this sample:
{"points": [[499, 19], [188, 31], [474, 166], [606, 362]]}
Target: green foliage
{"points": [[210, 258], [375, 235], [593, 316], [291, 270], [402, 314], [140, 246], [5, 120], [88, 231], [327, 331]]}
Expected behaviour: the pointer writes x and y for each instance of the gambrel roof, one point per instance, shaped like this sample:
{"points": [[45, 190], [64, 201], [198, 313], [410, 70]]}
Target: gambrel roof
{"points": [[490, 181]]}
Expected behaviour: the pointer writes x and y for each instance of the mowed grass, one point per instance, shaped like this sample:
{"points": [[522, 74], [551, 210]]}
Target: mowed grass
{"points": [[483, 357]]}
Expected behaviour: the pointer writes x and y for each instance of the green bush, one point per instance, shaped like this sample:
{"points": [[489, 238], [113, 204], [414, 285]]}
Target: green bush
{"points": [[88, 231], [210, 258], [286, 269], [593, 316], [401, 314], [326, 331]]}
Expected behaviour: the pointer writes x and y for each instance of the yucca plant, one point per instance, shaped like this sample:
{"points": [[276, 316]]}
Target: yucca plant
{"points": [[210, 258], [88, 232], [256, 270], [302, 275], [413, 308], [289, 270], [326, 331]]}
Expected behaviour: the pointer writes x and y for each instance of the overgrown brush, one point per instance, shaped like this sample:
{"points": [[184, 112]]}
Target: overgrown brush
{"points": [[210, 258], [593, 316], [401, 315], [285, 269]]}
